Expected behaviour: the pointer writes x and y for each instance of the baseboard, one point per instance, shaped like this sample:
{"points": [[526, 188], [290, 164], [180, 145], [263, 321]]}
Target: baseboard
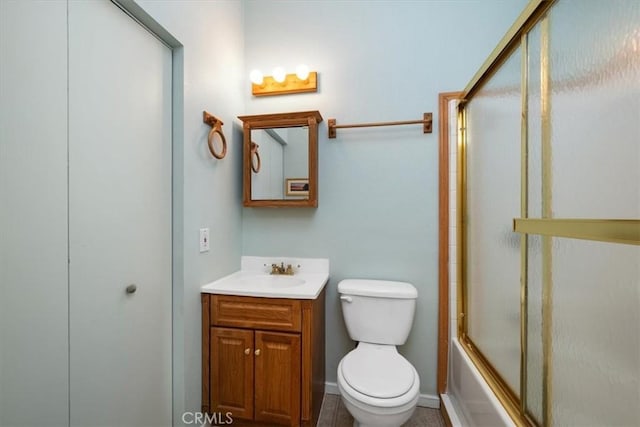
{"points": [[331, 388], [429, 401], [424, 401]]}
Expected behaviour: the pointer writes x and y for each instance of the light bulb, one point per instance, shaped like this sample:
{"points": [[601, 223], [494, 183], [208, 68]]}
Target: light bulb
{"points": [[302, 71], [256, 77], [279, 75]]}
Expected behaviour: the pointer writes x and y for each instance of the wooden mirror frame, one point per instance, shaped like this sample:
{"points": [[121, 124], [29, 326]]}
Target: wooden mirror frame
{"points": [[281, 120]]}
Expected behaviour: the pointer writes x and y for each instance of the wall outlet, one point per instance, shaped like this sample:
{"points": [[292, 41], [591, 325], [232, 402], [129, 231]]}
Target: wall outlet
{"points": [[204, 239]]}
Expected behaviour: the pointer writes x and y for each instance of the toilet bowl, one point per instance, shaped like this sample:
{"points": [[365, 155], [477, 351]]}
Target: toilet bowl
{"points": [[378, 386]]}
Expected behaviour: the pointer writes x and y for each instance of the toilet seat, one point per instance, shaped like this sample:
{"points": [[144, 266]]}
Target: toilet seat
{"points": [[376, 405], [378, 371]]}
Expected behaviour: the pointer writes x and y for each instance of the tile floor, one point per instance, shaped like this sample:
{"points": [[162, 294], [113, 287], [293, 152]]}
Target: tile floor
{"points": [[334, 414]]}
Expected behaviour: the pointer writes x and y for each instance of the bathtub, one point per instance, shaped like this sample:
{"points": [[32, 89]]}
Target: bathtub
{"points": [[469, 401]]}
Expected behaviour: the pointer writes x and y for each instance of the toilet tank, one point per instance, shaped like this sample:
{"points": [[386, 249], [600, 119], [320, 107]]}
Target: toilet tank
{"points": [[378, 311]]}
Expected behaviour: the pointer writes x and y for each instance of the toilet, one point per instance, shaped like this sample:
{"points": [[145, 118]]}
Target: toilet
{"points": [[378, 386]]}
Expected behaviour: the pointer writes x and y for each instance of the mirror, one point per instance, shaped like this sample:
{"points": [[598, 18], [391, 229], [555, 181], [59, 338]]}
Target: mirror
{"points": [[283, 157], [280, 154]]}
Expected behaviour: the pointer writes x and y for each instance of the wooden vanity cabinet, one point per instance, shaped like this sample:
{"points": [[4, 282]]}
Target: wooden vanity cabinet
{"points": [[231, 371], [263, 359]]}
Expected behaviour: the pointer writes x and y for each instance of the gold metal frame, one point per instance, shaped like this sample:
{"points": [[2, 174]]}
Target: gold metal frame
{"points": [[524, 212], [626, 231], [530, 16], [461, 237], [547, 278]]}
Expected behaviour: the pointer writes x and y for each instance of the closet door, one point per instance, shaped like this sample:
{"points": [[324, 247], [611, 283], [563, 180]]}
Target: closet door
{"points": [[33, 214], [119, 219]]}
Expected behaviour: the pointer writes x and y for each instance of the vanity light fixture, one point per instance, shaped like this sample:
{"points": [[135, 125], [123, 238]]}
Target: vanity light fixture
{"points": [[280, 83], [256, 77], [279, 75]]}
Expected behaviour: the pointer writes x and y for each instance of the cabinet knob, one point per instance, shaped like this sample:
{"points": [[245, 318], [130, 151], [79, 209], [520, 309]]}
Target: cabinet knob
{"points": [[247, 350], [257, 352]]}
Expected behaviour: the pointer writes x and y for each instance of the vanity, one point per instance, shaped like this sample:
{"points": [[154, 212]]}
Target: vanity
{"points": [[263, 342]]}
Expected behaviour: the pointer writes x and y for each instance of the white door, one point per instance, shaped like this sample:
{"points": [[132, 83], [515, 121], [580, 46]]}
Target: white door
{"points": [[119, 220]]}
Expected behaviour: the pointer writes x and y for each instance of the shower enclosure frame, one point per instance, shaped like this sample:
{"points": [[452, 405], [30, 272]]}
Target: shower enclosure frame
{"points": [[601, 229]]}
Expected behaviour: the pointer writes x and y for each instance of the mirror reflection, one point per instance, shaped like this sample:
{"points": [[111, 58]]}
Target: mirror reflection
{"points": [[283, 156]]}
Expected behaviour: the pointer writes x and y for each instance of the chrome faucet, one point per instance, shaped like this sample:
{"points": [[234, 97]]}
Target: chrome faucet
{"points": [[280, 269]]}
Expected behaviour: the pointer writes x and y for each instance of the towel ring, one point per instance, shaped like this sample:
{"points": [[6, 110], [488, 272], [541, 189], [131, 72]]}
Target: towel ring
{"points": [[220, 155], [255, 155], [216, 127]]}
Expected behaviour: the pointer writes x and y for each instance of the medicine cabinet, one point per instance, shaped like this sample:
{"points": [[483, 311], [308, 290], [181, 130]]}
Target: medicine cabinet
{"points": [[280, 159]]}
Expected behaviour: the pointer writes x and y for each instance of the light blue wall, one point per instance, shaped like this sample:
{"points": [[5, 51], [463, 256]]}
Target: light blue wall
{"points": [[211, 33], [377, 214]]}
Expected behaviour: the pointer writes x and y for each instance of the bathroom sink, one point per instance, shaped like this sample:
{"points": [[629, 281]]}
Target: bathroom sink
{"points": [[269, 280], [309, 278]]}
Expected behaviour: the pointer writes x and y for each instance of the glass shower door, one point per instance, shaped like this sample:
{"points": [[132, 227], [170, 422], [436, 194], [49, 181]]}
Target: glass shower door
{"points": [[550, 149]]}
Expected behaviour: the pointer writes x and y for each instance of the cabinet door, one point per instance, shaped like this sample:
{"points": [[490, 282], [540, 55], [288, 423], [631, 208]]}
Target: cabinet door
{"points": [[277, 381], [231, 379]]}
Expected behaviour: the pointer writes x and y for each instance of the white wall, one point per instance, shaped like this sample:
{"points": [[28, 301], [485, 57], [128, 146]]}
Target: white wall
{"points": [[211, 33], [377, 214]]}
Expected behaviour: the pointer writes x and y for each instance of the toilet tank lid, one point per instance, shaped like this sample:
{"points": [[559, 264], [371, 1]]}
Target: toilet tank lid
{"points": [[377, 288]]}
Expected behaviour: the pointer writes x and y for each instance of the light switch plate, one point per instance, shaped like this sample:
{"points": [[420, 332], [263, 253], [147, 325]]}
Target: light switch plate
{"points": [[204, 239]]}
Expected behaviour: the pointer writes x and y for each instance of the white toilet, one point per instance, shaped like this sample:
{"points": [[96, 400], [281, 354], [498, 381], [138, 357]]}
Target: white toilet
{"points": [[378, 386]]}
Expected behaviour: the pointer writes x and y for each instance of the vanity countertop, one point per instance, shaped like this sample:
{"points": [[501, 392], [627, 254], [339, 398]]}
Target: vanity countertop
{"points": [[254, 279]]}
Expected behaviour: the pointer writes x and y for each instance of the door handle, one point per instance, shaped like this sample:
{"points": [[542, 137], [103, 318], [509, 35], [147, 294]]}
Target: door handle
{"points": [[131, 289]]}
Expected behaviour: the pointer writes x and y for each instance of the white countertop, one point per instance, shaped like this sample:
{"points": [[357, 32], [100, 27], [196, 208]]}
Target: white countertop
{"points": [[254, 279]]}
